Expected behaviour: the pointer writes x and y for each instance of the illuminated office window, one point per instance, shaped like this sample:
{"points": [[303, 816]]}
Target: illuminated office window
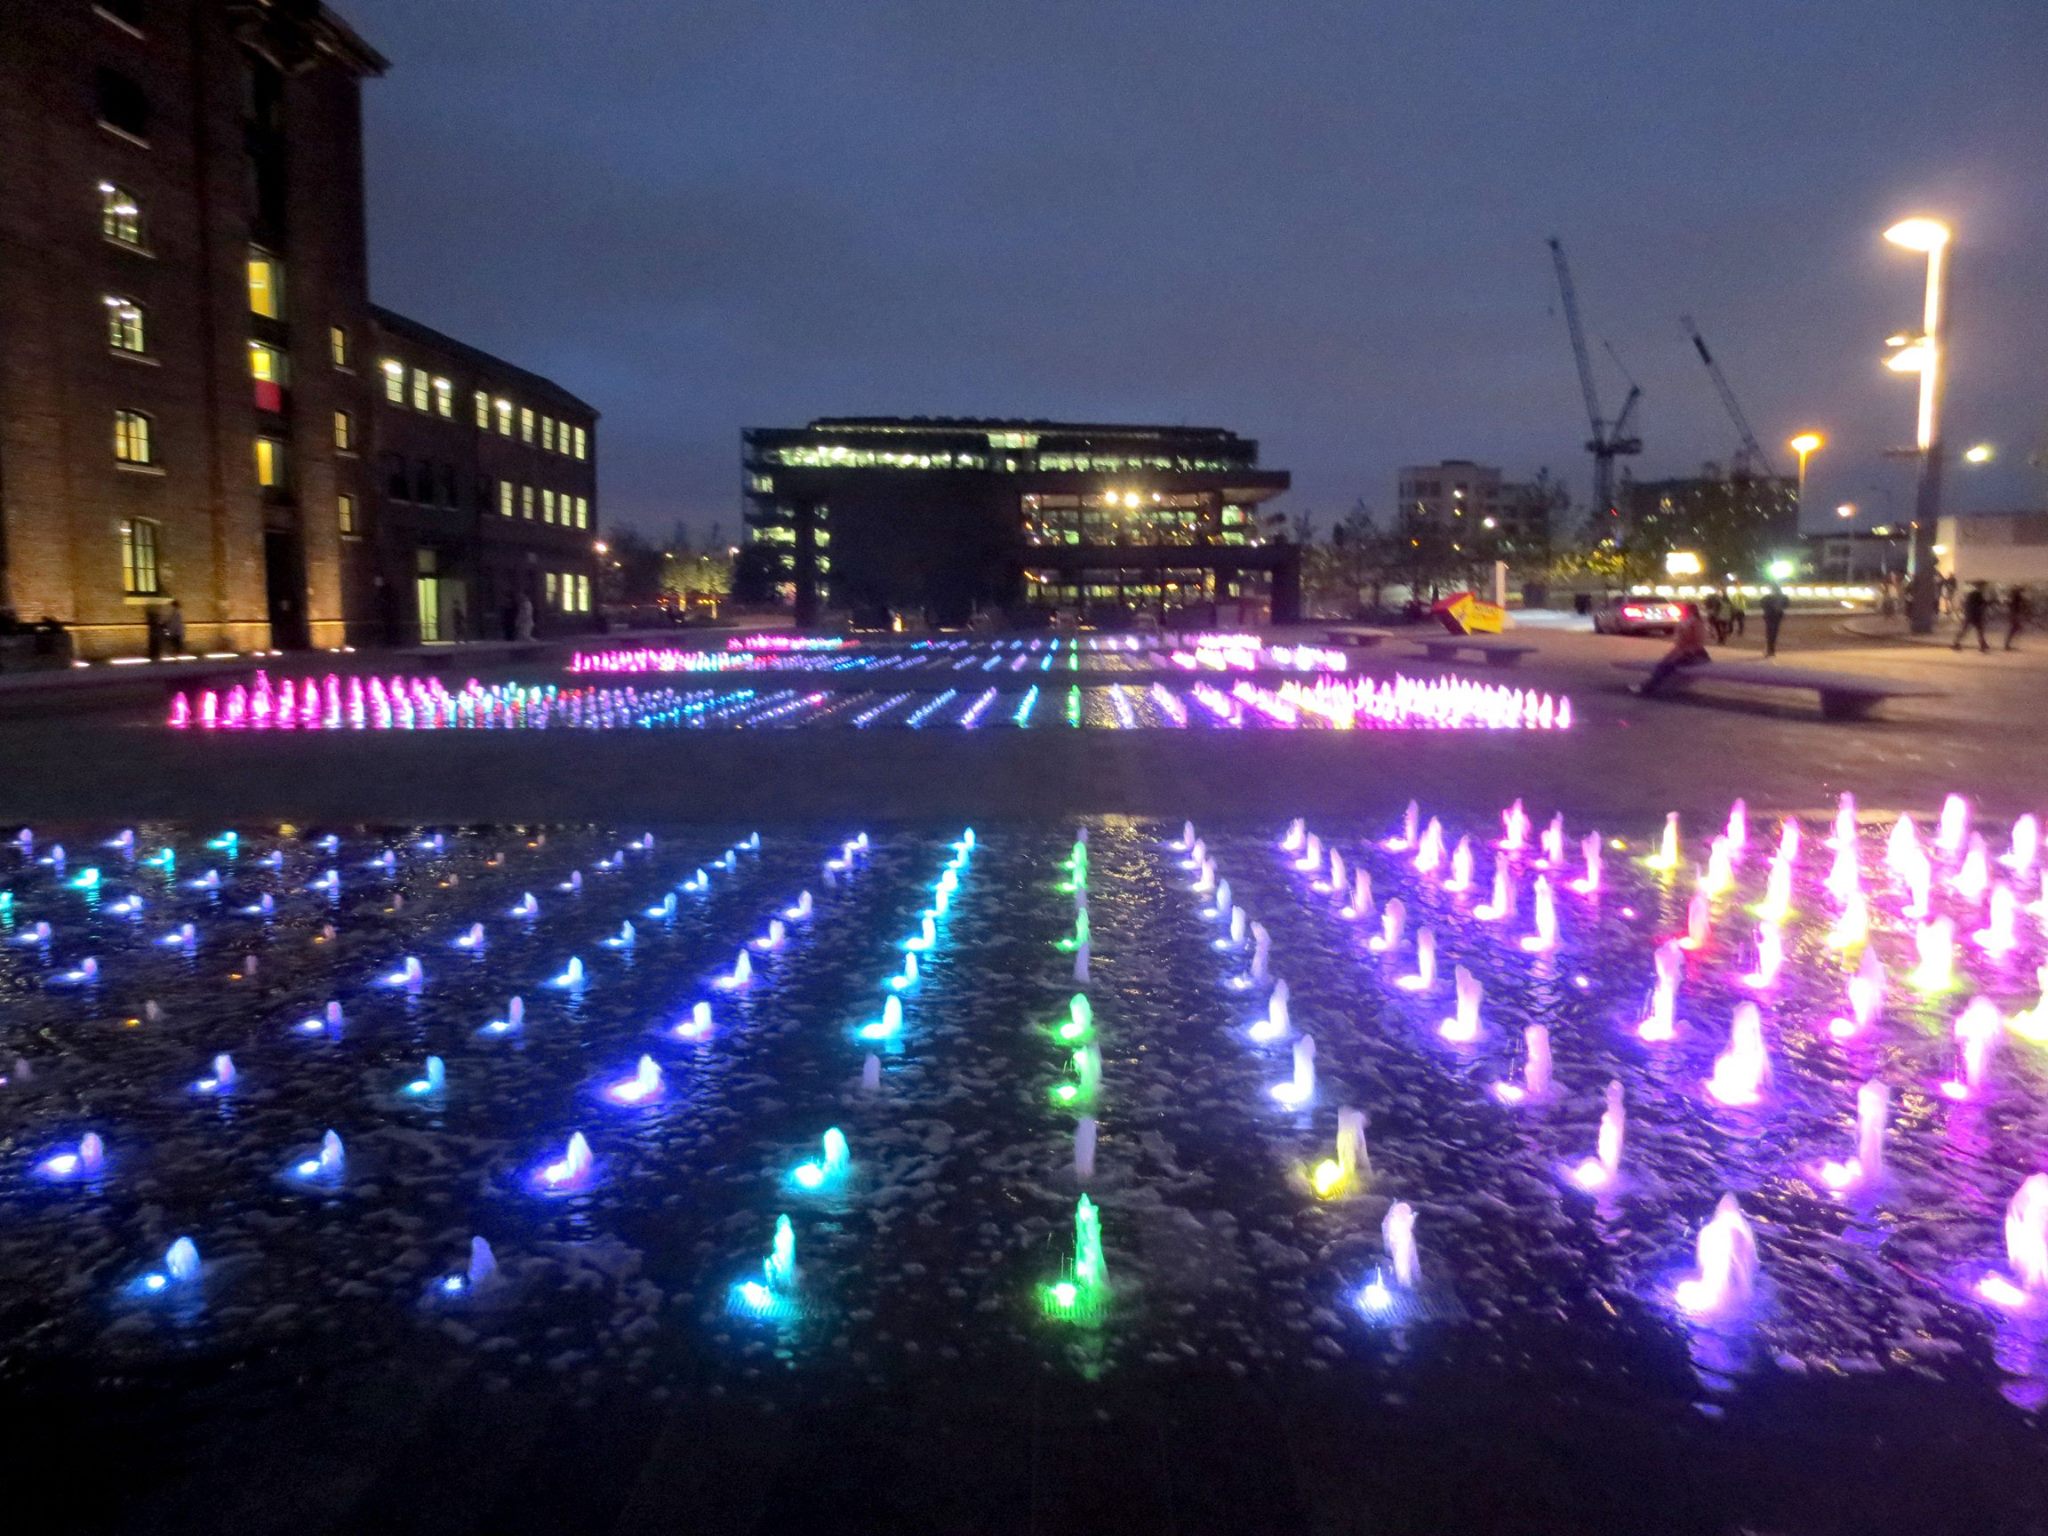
{"points": [[139, 568], [132, 443], [266, 285]]}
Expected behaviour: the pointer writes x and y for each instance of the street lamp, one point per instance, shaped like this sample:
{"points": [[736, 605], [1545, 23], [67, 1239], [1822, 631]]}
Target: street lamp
{"points": [[1979, 453], [1922, 355], [1805, 443]]}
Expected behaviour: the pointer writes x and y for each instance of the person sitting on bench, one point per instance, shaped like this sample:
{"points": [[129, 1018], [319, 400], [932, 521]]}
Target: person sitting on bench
{"points": [[1688, 649]]}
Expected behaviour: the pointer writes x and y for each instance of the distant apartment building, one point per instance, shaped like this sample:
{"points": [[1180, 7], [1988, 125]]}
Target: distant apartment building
{"points": [[1737, 524], [189, 375], [947, 517], [1510, 518], [2004, 548]]}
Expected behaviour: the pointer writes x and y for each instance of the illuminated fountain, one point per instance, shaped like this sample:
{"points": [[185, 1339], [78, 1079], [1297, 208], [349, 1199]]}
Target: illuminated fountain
{"points": [[1080, 1020], [1873, 1114], [774, 938], [1727, 1258], [1934, 946], [1604, 1166], [739, 978], [1973, 877], [798, 910], [1460, 879], [1085, 1134], [471, 938], [1589, 848], [1360, 906], [1429, 850], [2000, 934], [1311, 854], [1544, 939], [906, 978], [773, 1297], [327, 1022], [643, 1087], [1740, 1071], [871, 1073], [1665, 860], [1553, 842], [81, 1162], [1514, 823], [431, 1083], [1776, 907], [1699, 919], [1082, 1291], [2026, 1248], [829, 1169], [1719, 876], [1535, 1083], [570, 1172], [1501, 904], [1300, 1089], [2026, 846], [1087, 1078], [1902, 846], [515, 1015], [326, 1166], [1397, 1231], [1393, 917], [223, 1078], [1770, 956], [1423, 977], [481, 1271], [1462, 1028], [888, 1026], [1291, 841], [1851, 926], [1337, 1175], [1866, 999], [1977, 1031], [1274, 1024], [1953, 830]]}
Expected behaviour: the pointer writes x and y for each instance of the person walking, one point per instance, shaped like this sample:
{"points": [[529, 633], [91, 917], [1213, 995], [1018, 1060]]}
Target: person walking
{"points": [[1688, 649], [1774, 617], [2018, 609], [1976, 604], [154, 619], [1714, 619], [1738, 614], [174, 628]]}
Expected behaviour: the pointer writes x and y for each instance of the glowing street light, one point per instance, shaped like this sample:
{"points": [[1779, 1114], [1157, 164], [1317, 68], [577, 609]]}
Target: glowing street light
{"points": [[1846, 510], [1979, 453], [1922, 355], [1804, 444]]}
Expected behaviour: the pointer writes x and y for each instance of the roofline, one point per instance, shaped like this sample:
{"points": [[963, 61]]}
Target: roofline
{"points": [[405, 325], [346, 40], [999, 424]]}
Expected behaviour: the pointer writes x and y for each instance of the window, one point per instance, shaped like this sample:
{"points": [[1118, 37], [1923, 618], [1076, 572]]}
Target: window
{"points": [[394, 381], [583, 594], [122, 106], [344, 432], [553, 585], [423, 482], [483, 411], [448, 494], [526, 423], [266, 285], [504, 498], [346, 514], [582, 444], [547, 507], [396, 485], [547, 433], [504, 418], [131, 438], [270, 463], [120, 215], [419, 389], [124, 325], [526, 502], [444, 398], [582, 511], [139, 569], [337, 345], [266, 363]]}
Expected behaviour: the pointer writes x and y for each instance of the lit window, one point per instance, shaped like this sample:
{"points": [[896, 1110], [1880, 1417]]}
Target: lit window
{"points": [[547, 433], [582, 511], [526, 423], [337, 345], [483, 411], [394, 381], [131, 438], [120, 216], [526, 502], [444, 398], [270, 462], [345, 513], [419, 389], [582, 444], [139, 568], [552, 581], [344, 431], [266, 286], [504, 418], [547, 507], [124, 325], [505, 498], [583, 594], [266, 363]]}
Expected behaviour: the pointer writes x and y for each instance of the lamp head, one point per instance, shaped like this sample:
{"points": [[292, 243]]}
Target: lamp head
{"points": [[1919, 234], [1806, 442]]}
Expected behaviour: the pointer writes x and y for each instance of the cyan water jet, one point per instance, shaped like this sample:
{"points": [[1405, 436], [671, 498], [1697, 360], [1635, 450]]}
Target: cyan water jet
{"points": [[829, 1170], [888, 1026], [432, 1081]]}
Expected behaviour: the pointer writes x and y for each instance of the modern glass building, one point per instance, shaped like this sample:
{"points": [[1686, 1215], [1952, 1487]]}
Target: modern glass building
{"points": [[948, 518]]}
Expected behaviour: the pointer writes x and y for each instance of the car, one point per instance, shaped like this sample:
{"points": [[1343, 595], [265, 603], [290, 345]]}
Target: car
{"points": [[1636, 616]]}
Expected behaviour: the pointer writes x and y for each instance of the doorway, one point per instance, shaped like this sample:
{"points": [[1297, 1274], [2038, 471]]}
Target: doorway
{"points": [[284, 581], [427, 587]]}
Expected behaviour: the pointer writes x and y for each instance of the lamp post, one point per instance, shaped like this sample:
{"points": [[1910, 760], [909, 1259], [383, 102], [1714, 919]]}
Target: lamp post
{"points": [[1923, 355], [1804, 444]]}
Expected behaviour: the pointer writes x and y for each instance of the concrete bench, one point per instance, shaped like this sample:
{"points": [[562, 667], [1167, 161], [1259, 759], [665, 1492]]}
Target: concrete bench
{"points": [[1496, 653], [1357, 636], [1843, 695]]}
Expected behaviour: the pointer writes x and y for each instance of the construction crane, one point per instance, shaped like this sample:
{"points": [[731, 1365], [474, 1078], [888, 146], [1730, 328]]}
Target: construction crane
{"points": [[1610, 440], [1752, 459]]}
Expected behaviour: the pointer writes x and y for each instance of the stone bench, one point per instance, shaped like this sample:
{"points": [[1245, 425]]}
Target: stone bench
{"points": [[1496, 653], [1357, 636], [1843, 695]]}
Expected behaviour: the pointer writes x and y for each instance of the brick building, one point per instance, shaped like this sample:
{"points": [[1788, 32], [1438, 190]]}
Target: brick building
{"points": [[189, 370]]}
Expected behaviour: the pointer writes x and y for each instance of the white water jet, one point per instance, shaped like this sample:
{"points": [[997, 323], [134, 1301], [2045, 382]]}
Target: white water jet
{"points": [[1397, 1231], [1462, 1027], [871, 1072], [1740, 1071], [1276, 1023], [1084, 1148], [1301, 1088], [1393, 917], [1727, 1260], [1423, 977]]}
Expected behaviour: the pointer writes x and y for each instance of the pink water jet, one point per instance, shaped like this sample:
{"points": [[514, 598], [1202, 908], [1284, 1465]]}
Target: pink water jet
{"points": [[1589, 882], [1727, 1258], [1601, 1169], [1660, 1023], [1429, 851], [1553, 841], [1423, 977], [1873, 1113], [1544, 938], [1977, 1031], [1460, 880], [1462, 1028], [1514, 823], [1359, 907], [1740, 1071], [1866, 999], [2000, 934], [1405, 839], [2026, 845], [1501, 905], [1698, 922], [1737, 835], [1770, 956], [1393, 916], [1536, 1069], [1953, 830], [1665, 859]]}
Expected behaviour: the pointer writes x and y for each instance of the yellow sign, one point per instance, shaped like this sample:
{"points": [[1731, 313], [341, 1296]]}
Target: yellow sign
{"points": [[1465, 613]]}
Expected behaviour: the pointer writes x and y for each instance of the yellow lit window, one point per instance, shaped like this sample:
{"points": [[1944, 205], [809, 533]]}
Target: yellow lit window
{"points": [[337, 345], [124, 325], [394, 381], [345, 510], [131, 438], [266, 286], [547, 433], [552, 581], [504, 418], [139, 572], [344, 431], [526, 423], [582, 511], [582, 444], [583, 594], [526, 502], [547, 507], [266, 363], [269, 462], [505, 498], [120, 217], [444, 398], [483, 411], [419, 389]]}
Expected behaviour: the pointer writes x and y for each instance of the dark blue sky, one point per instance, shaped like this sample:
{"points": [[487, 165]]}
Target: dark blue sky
{"points": [[1320, 223]]}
